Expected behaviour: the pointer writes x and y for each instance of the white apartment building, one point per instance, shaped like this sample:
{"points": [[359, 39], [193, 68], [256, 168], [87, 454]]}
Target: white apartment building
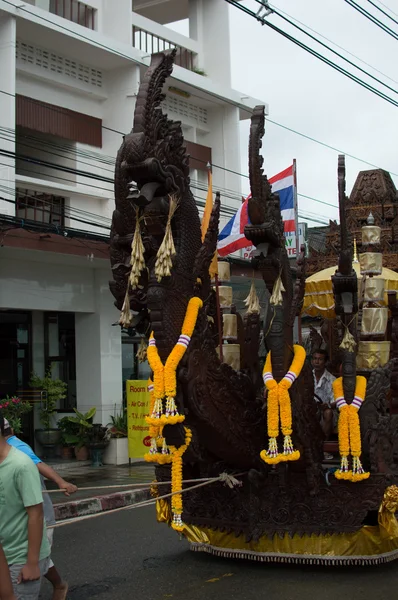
{"points": [[70, 73]]}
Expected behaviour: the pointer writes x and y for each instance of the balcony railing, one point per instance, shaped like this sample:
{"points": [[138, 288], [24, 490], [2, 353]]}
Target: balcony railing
{"points": [[152, 43], [74, 11], [40, 207]]}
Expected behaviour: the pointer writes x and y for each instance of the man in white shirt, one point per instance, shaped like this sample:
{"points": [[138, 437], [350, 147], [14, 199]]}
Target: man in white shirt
{"points": [[323, 391]]}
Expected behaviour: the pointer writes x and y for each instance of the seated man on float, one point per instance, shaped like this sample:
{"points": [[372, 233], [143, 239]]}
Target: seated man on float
{"points": [[323, 391]]}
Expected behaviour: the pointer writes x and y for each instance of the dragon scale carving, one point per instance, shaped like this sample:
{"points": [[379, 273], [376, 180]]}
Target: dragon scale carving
{"points": [[224, 408]]}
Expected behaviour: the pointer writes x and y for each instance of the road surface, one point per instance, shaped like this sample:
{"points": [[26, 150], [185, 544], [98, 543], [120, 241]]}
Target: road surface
{"points": [[129, 556]]}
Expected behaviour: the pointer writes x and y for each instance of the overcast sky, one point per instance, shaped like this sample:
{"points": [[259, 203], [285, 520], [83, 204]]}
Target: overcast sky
{"points": [[310, 97], [306, 95]]}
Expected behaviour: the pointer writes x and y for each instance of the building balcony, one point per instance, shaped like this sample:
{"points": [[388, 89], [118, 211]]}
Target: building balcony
{"points": [[72, 10], [151, 37]]}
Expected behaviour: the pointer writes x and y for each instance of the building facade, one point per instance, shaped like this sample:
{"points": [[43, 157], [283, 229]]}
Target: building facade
{"points": [[70, 76]]}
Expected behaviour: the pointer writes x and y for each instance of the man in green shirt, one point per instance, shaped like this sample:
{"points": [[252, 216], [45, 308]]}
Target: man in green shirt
{"points": [[22, 529]]}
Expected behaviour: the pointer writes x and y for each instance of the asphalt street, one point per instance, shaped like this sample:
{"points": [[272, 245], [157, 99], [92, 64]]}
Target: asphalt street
{"points": [[129, 555]]}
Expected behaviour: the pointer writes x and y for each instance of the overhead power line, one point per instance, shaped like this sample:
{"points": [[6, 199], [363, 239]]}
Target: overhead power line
{"points": [[313, 52], [388, 8], [338, 46], [372, 18], [350, 62], [383, 11], [231, 194]]}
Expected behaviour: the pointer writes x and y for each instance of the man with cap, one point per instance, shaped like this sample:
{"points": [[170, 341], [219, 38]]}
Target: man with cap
{"points": [[22, 527], [60, 587]]}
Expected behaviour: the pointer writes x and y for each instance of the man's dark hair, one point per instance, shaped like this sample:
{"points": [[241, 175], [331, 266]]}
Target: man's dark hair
{"points": [[321, 351], [1, 424]]}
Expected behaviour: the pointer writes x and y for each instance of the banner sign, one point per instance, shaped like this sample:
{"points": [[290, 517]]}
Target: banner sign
{"points": [[138, 398], [290, 239]]}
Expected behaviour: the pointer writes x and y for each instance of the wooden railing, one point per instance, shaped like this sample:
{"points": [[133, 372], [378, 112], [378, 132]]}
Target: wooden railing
{"points": [[151, 43], [74, 11]]}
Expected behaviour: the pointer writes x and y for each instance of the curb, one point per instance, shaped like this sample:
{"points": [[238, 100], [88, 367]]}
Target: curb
{"points": [[90, 506]]}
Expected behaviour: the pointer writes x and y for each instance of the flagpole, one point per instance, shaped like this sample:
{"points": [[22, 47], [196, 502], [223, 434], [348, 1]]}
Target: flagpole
{"points": [[295, 205], [219, 320]]}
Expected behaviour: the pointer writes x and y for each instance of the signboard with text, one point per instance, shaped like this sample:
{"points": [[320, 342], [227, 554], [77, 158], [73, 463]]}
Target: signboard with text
{"points": [[138, 398], [290, 238]]}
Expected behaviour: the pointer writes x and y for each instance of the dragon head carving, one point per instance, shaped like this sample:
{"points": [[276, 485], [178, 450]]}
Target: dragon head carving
{"points": [[152, 167]]}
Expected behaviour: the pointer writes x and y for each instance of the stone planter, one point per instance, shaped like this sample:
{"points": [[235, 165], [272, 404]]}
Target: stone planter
{"points": [[81, 453], [116, 452], [49, 440]]}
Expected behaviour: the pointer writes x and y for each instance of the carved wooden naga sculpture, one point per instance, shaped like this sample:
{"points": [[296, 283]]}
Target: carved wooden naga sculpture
{"points": [[266, 233], [214, 398]]}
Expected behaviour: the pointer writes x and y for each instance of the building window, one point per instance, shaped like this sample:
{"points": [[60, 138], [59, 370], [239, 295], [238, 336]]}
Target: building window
{"points": [[74, 11], [60, 352], [40, 207], [131, 367]]}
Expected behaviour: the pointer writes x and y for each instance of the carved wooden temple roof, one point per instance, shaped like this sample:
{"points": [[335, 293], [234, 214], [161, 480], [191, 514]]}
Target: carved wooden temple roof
{"points": [[373, 192]]}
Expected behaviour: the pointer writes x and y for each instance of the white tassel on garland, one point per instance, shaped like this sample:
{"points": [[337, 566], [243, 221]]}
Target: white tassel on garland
{"points": [[252, 302], [142, 351], [167, 249], [276, 297], [126, 314], [137, 254], [348, 343]]}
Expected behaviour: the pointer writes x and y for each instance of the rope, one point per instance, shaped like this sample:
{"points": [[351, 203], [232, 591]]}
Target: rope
{"points": [[225, 478], [124, 485]]}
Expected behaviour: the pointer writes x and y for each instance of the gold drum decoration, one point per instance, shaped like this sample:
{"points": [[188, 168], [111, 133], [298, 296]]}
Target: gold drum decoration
{"points": [[371, 234], [372, 355], [230, 327], [371, 263], [225, 294], [374, 290], [374, 321], [224, 271], [231, 355]]}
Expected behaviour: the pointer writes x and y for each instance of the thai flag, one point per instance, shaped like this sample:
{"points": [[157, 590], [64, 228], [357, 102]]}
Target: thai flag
{"points": [[232, 237]]}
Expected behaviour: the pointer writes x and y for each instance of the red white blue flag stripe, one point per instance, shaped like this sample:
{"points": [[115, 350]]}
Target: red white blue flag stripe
{"points": [[232, 237]]}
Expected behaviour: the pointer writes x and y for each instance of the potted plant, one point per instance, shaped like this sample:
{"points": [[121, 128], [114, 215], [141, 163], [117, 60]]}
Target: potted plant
{"points": [[12, 409], [67, 430], [55, 390], [117, 451], [98, 441], [81, 438]]}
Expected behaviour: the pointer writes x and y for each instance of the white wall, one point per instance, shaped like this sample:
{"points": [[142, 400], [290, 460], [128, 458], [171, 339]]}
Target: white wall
{"points": [[209, 25], [33, 285], [7, 105], [116, 23], [98, 354]]}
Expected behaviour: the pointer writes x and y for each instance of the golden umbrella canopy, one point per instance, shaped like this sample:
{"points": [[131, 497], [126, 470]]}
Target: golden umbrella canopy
{"points": [[318, 296]]}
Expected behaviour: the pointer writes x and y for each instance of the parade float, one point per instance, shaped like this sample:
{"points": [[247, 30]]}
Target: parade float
{"points": [[258, 424]]}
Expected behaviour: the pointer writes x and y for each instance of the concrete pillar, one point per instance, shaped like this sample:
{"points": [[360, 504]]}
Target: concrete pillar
{"points": [[38, 366], [38, 359], [43, 4], [209, 25], [117, 23], [99, 354], [7, 107], [223, 139]]}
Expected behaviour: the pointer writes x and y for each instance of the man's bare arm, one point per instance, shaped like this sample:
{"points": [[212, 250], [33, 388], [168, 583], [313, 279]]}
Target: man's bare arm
{"points": [[49, 473], [31, 571]]}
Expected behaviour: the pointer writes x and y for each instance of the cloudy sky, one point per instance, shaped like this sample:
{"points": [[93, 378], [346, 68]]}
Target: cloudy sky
{"points": [[310, 97]]}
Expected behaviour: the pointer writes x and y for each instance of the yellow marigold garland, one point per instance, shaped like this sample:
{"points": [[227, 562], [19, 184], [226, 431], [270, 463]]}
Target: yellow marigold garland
{"points": [[155, 432], [349, 430], [176, 480], [165, 384], [279, 408]]}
